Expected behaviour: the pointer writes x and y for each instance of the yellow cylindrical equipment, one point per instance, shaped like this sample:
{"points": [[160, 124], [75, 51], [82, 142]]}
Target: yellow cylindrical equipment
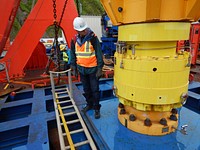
{"points": [[151, 76], [150, 73]]}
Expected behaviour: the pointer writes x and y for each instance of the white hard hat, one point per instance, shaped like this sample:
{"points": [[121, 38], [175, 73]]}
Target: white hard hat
{"points": [[79, 24]]}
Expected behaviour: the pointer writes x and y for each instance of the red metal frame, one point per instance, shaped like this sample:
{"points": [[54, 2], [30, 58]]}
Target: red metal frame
{"points": [[180, 45], [8, 11], [38, 59], [40, 18], [195, 41]]}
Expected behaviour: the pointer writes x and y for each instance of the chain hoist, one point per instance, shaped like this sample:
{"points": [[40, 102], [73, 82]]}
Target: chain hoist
{"points": [[63, 12], [56, 29]]}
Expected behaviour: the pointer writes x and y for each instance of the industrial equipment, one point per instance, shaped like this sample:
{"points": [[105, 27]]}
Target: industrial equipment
{"points": [[34, 27], [7, 15], [109, 36], [193, 43], [151, 78], [68, 115], [151, 82]]}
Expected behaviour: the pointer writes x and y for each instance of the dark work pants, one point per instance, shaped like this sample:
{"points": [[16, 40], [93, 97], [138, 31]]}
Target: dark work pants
{"points": [[66, 66], [91, 89]]}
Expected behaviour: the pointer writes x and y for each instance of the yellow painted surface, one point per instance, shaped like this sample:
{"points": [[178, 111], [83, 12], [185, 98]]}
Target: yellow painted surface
{"points": [[163, 31], [152, 50], [192, 9], [135, 11], [111, 8], [153, 77], [150, 75], [139, 83]]}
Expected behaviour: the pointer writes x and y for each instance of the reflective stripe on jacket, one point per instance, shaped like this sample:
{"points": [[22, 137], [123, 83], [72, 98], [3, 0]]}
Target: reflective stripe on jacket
{"points": [[85, 55], [65, 57]]}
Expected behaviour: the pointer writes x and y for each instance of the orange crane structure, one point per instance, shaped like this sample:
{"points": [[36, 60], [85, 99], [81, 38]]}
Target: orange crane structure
{"points": [[26, 52], [7, 16]]}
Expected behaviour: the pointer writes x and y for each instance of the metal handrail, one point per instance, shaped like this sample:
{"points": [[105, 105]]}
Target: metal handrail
{"points": [[58, 73]]}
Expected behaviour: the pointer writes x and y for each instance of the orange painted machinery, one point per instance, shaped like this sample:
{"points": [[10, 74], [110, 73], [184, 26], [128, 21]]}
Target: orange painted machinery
{"points": [[26, 52], [7, 15]]}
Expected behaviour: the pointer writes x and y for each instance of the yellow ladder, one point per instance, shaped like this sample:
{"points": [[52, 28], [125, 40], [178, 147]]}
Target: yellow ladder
{"points": [[69, 121]]}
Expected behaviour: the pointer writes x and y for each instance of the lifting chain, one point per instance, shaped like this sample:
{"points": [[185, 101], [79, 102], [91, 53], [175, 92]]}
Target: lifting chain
{"points": [[63, 11], [56, 29]]}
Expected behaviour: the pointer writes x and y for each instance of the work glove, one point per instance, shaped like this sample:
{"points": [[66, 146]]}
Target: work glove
{"points": [[99, 74]]}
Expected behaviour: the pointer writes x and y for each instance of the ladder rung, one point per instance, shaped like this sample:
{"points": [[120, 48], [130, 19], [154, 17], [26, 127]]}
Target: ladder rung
{"points": [[81, 143], [69, 100], [73, 121], [70, 113], [78, 144], [75, 131], [66, 107], [64, 96], [62, 92], [60, 89]]}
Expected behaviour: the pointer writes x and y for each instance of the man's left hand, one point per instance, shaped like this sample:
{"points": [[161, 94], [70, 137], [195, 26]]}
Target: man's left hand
{"points": [[99, 74]]}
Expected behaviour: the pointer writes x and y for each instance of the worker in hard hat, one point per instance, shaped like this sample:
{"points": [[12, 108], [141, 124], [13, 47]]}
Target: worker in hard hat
{"points": [[86, 56], [66, 56]]}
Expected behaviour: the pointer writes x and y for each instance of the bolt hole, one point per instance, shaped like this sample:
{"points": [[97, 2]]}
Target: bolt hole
{"points": [[120, 9], [160, 97], [132, 94], [154, 69]]}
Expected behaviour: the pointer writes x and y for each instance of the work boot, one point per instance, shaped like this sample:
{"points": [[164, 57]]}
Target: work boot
{"points": [[97, 114], [86, 108]]}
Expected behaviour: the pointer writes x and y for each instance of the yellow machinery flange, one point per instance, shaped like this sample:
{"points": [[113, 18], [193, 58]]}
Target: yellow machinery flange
{"points": [[148, 122]]}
